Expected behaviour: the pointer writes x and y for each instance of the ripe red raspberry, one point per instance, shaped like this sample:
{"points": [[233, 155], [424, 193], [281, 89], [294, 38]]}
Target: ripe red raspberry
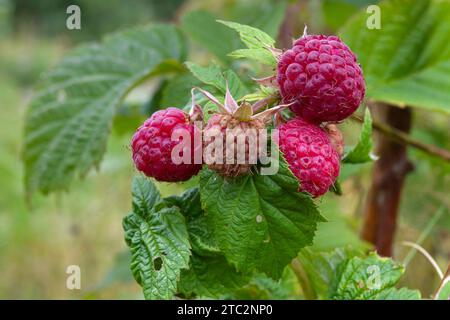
{"points": [[220, 126], [310, 155], [152, 146], [321, 75]]}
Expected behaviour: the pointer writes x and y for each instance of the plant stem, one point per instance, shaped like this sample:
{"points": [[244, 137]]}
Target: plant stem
{"points": [[290, 25], [443, 282], [427, 256], [403, 138], [388, 176]]}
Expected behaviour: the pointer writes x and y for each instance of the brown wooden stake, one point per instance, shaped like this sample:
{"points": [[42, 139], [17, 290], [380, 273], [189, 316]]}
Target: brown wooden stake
{"points": [[388, 176]]}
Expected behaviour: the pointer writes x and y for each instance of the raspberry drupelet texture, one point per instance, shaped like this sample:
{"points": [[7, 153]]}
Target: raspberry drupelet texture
{"points": [[220, 126], [310, 155], [321, 75], [152, 146]]}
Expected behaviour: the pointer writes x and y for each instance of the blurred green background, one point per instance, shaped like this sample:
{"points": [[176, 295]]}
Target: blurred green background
{"points": [[39, 239]]}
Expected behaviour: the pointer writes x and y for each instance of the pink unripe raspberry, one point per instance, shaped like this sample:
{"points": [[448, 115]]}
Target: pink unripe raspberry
{"points": [[220, 126], [321, 75], [152, 146], [310, 155], [336, 138]]}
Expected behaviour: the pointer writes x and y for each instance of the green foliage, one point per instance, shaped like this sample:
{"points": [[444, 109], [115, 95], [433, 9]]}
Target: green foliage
{"points": [[407, 61], [260, 221], [202, 239], [177, 91], [69, 119], [215, 77], [337, 12], [361, 152], [266, 16], [322, 267], [231, 237], [370, 278], [257, 42], [339, 230], [158, 240], [208, 273], [346, 274], [202, 27], [48, 17], [263, 287], [119, 271], [210, 277]]}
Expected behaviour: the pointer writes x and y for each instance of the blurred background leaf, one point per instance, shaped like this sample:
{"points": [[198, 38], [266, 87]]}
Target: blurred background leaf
{"points": [[407, 61]]}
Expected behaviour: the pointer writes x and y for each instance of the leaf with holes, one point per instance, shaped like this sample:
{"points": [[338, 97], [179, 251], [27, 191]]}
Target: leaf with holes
{"points": [[158, 240], [407, 60], [259, 221], [69, 119]]}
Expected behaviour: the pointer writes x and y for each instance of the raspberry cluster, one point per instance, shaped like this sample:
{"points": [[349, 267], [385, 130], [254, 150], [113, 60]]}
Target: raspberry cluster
{"points": [[322, 80]]}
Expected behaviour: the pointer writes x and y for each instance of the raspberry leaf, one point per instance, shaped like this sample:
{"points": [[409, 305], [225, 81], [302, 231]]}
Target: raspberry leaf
{"points": [[158, 240], [321, 267], [261, 55], [257, 41], [407, 60], [347, 274], [262, 287], [252, 37], [370, 278], [209, 273], [210, 277], [68, 121], [336, 188], [200, 233], [203, 28], [260, 222], [177, 91], [214, 76], [362, 151]]}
